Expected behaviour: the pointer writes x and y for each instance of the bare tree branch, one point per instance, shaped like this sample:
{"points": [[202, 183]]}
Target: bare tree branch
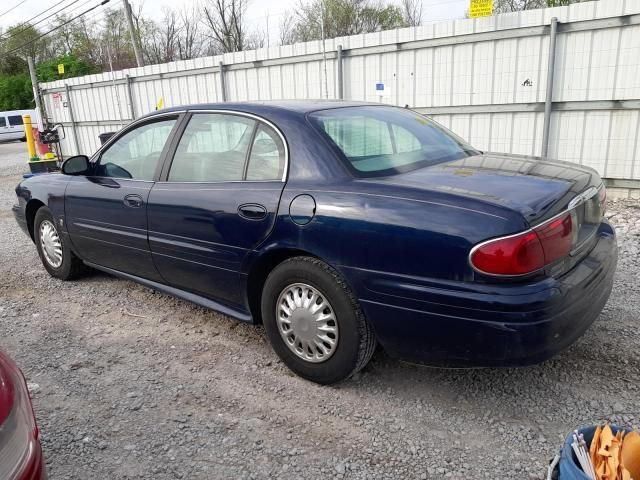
{"points": [[224, 21], [412, 12]]}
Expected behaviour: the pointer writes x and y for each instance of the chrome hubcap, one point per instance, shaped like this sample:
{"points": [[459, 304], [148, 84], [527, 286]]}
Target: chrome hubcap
{"points": [[307, 323], [51, 244]]}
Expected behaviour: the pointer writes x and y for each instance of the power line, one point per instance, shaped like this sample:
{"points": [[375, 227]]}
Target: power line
{"points": [[90, 17], [12, 8], [45, 10], [54, 29], [27, 25]]}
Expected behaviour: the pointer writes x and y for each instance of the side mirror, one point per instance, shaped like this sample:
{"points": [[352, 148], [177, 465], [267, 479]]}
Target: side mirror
{"points": [[76, 165]]}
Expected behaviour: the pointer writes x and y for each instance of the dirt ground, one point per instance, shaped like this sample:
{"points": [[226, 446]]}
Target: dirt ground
{"points": [[129, 383]]}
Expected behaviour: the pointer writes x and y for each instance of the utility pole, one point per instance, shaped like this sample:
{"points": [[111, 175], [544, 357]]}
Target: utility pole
{"points": [[135, 39], [36, 92]]}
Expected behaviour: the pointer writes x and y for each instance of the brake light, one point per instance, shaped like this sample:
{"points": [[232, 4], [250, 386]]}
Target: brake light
{"points": [[556, 237], [602, 199], [18, 431], [526, 252]]}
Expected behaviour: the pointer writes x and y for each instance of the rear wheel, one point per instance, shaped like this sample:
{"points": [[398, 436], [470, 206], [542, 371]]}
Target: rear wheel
{"points": [[314, 322], [55, 254]]}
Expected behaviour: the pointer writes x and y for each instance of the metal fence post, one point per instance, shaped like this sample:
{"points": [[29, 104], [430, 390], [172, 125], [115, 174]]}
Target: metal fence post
{"points": [[132, 108], [73, 121], [223, 83], [548, 99], [340, 74]]}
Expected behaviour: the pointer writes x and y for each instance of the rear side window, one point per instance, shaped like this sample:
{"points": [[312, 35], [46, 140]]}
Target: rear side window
{"points": [[386, 140], [218, 147], [213, 148], [15, 120], [266, 161], [3, 122]]}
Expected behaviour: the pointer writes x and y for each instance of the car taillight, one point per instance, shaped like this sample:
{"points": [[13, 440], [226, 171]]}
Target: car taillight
{"points": [[557, 236], [526, 252], [602, 198], [18, 431]]}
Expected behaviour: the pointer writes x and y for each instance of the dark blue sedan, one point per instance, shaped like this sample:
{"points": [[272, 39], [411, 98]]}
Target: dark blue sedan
{"points": [[338, 226]]}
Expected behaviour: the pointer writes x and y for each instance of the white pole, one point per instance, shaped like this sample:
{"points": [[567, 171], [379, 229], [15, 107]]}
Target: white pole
{"points": [[324, 54]]}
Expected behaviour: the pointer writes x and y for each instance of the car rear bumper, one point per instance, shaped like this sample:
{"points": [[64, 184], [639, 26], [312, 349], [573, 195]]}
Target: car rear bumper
{"points": [[465, 324], [35, 468]]}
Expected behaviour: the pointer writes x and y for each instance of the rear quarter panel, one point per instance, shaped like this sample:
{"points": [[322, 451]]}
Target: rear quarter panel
{"points": [[391, 229]]}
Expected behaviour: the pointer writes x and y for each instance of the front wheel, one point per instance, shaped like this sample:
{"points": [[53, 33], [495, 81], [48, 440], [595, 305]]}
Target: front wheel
{"points": [[55, 254], [314, 322]]}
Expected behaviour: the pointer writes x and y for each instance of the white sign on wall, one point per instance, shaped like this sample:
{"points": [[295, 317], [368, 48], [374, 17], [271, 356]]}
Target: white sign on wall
{"points": [[381, 89]]}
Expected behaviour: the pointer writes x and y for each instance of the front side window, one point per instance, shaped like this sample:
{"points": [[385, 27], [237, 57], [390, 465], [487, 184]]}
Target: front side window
{"points": [[15, 120], [213, 148], [387, 140], [137, 153]]}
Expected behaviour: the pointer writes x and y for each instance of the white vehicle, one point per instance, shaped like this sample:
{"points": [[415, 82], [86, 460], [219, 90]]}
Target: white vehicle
{"points": [[11, 127]]}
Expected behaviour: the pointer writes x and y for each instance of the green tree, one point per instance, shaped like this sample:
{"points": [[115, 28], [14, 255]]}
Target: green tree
{"points": [[115, 45], [78, 38], [503, 6], [16, 92], [12, 64], [344, 17], [23, 40], [73, 67]]}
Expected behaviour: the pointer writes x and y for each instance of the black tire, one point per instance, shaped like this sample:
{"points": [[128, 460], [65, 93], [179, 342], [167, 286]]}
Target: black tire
{"points": [[71, 265], [23, 139], [356, 341]]}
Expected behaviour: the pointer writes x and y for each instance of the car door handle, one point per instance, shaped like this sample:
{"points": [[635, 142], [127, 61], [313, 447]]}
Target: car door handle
{"points": [[133, 201], [252, 211]]}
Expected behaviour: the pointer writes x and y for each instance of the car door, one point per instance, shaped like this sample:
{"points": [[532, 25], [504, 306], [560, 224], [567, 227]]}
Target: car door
{"points": [[106, 211], [4, 129], [217, 201], [15, 127]]}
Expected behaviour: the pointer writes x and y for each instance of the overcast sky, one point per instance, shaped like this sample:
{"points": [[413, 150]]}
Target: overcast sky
{"points": [[257, 13]]}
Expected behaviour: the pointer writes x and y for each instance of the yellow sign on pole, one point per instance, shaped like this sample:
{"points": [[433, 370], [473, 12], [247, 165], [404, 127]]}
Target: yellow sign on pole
{"points": [[61, 68], [480, 8]]}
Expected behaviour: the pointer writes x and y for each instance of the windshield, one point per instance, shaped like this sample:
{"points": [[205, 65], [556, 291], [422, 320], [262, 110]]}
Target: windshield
{"points": [[386, 140]]}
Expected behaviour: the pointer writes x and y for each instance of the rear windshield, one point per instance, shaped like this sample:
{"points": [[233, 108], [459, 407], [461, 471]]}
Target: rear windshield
{"points": [[385, 140]]}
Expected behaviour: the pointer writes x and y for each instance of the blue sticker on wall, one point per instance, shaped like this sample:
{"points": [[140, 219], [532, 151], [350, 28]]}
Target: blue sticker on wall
{"points": [[380, 86]]}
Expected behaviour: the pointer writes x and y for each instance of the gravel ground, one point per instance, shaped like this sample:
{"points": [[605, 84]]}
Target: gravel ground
{"points": [[128, 383]]}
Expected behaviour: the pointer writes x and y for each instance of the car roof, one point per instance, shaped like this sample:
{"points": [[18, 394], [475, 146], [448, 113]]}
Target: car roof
{"points": [[269, 106]]}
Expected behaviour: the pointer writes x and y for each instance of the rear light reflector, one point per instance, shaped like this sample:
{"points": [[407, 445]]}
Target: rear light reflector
{"points": [[526, 252], [18, 431]]}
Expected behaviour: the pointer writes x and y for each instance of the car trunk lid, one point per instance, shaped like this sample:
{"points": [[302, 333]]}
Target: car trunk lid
{"points": [[538, 189]]}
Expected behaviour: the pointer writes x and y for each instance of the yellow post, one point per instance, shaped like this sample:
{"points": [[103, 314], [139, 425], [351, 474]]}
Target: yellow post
{"points": [[28, 133]]}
